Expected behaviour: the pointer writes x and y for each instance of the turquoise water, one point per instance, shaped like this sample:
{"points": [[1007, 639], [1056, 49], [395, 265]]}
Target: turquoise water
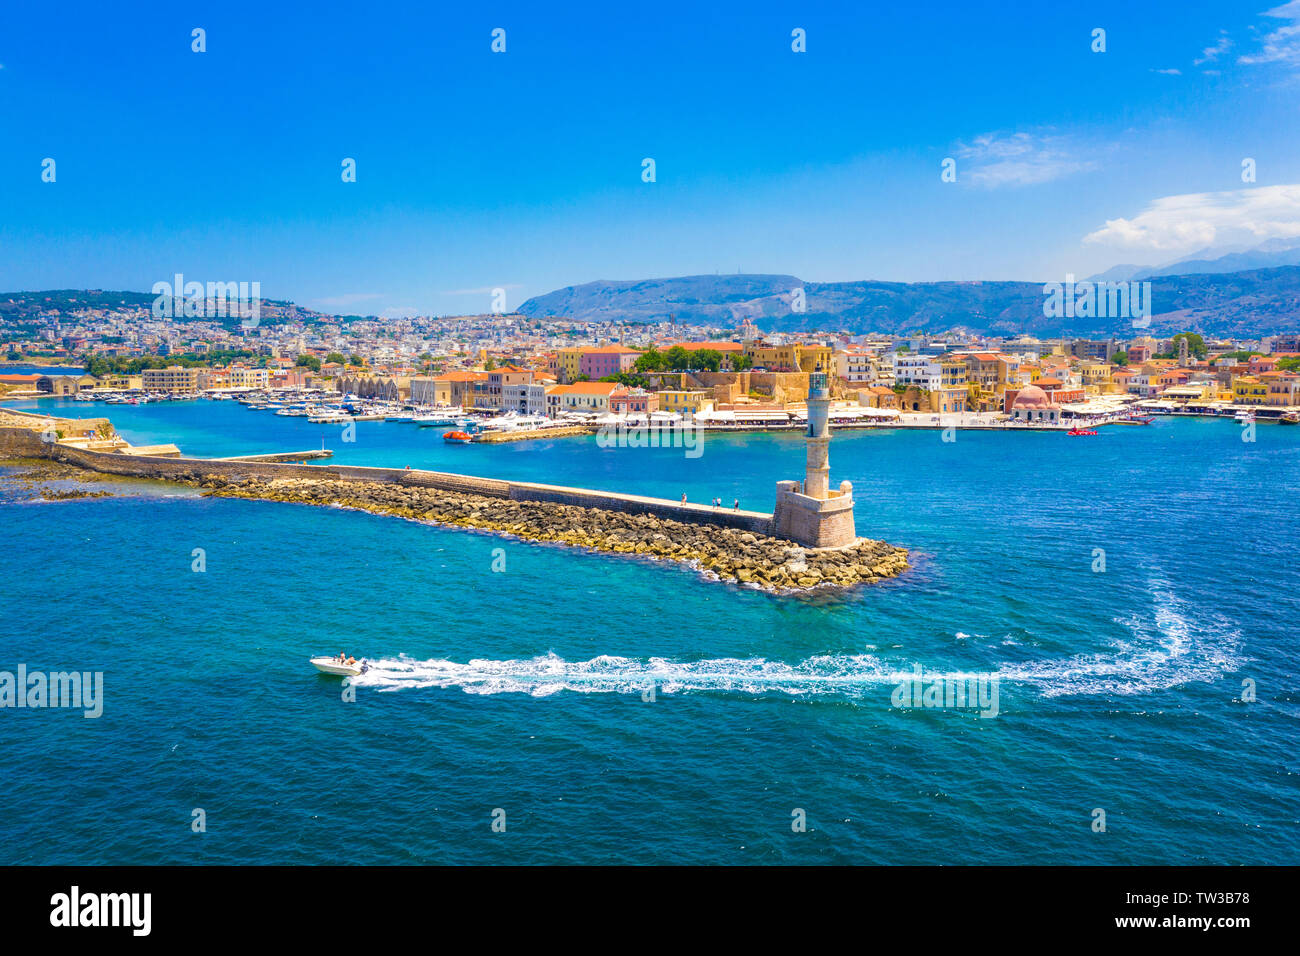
{"points": [[524, 689]]}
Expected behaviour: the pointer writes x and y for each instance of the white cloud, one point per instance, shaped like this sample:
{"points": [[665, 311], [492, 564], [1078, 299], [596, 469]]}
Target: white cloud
{"points": [[1283, 44], [1193, 220], [1019, 159], [1212, 53], [1169, 72]]}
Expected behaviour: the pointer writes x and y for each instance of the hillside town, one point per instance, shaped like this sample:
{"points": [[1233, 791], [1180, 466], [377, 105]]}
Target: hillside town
{"points": [[557, 369]]}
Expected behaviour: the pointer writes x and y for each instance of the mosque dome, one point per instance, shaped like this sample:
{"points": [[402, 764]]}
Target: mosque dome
{"points": [[1031, 396]]}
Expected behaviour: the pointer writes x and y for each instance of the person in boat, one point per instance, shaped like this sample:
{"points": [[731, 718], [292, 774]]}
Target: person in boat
{"points": [[342, 657], [351, 661]]}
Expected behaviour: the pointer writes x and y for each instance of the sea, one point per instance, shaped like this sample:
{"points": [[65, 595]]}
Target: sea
{"points": [[1133, 598]]}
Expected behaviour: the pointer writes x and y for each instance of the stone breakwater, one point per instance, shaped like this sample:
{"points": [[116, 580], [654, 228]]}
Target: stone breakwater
{"points": [[731, 554]]}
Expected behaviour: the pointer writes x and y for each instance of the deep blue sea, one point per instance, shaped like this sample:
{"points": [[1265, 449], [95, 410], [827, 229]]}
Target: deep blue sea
{"points": [[526, 690]]}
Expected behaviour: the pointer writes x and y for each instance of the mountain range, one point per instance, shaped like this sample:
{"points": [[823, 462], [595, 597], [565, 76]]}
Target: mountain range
{"points": [[1244, 304]]}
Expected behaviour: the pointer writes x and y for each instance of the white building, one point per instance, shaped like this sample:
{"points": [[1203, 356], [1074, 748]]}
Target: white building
{"points": [[526, 398], [919, 370]]}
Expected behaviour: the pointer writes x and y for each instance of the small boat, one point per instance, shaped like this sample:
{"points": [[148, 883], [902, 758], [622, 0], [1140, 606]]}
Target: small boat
{"points": [[1290, 418], [458, 438], [1077, 431], [332, 665], [1245, 415]]}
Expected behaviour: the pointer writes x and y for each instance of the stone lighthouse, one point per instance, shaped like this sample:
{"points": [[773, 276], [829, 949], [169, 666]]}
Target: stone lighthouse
{"points": [[809, 512]]}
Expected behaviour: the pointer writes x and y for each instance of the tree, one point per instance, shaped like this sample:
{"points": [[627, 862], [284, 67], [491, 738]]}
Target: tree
{"points": [[1289, 364], [357, 360], [489, 365], [1195, 344], [335, 358], [628, 379], [740, 362], [308, 361], [1120, 358], [651, 360], [676, 359]]}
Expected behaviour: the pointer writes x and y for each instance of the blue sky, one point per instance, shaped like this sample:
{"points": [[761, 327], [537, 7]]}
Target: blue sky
{"points": [[523, 170]]}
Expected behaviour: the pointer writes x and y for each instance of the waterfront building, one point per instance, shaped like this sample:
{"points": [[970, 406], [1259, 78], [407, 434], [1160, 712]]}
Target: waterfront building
{"points": [[588, 396], [241, 376], [810, 512], [526, 398], [489, 391], [633, 401], [1282, 388], [921, 371], [1032, 404], [457, 388], [1249, 390], [173, 379], [685, 401]]}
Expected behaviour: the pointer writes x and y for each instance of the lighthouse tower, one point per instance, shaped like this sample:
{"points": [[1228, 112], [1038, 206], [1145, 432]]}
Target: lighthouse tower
{"points": [[817, 483], [810, 512]]}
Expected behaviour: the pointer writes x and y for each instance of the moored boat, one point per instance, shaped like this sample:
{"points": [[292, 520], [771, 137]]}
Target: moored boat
{"points": [[458, 438]]}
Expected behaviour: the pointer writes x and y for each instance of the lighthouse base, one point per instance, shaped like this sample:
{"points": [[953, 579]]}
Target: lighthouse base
{"points": [[814, 522]]}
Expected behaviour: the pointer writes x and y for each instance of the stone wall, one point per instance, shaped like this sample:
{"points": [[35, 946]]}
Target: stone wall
{"points": [[784, 387]]}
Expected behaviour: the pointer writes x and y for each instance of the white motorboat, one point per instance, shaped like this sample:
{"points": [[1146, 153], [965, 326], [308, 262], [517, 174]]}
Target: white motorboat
{"points": [[332, 665]]}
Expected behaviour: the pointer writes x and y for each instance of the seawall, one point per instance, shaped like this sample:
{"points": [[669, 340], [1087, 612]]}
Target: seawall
{"points": [[24, 443]]}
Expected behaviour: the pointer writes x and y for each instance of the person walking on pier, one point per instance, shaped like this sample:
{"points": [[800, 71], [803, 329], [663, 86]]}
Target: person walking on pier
{"points": [[683, 497], [735, 505]]}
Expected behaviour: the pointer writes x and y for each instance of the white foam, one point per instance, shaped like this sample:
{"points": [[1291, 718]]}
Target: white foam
{"points": [[1166, 649]]}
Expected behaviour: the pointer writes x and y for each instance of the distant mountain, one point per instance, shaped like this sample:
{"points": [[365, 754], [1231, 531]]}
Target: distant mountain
{"points": [[22, 308], [1266, 255], [720, 299], [1248, 303], [1117, 274]]}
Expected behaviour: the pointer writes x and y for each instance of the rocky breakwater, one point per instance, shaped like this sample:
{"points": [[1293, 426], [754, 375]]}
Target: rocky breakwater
{"points": [[729, 554]]}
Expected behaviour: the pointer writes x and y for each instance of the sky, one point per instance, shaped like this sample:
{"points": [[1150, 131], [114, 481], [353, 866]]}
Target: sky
{"points": [[524, 170]]}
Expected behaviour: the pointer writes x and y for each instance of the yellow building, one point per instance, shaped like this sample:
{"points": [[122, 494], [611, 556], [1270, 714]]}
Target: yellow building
{"points": [[689, 401], [1248, 390], [567, 363], [1095, 377], [795, 357], [241, 376]]}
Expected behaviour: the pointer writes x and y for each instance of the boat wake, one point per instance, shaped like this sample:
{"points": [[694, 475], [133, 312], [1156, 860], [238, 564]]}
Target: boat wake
{"points": [[1164, 650]]}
